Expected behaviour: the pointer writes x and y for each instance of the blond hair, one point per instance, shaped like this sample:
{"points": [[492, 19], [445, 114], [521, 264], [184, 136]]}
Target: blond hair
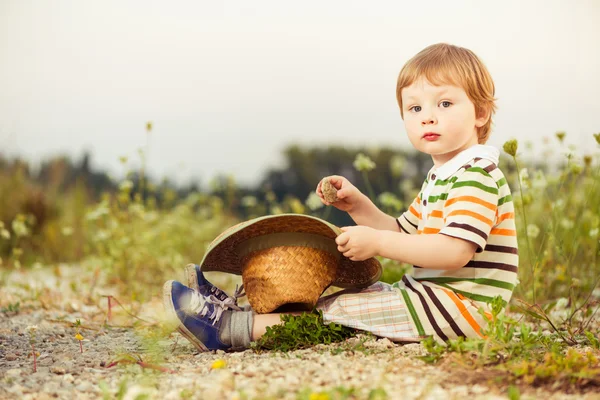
{"points": [[452, 65]]}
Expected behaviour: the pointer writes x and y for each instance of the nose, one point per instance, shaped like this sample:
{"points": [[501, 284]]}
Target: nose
{"points": [[428, 119]]}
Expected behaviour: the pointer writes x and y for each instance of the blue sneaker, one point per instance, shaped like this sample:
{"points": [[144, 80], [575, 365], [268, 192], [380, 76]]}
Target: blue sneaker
{"points": [[198, 318], [197, 281]]}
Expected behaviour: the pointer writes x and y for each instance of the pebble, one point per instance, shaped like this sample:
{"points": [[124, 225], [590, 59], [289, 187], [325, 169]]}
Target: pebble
{"points": [[84, 387], [11, 357], [13, 373], [58, 370]]}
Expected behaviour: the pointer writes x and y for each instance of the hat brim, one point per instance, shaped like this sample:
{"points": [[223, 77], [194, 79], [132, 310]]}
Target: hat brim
{"points": [[222, 254]]}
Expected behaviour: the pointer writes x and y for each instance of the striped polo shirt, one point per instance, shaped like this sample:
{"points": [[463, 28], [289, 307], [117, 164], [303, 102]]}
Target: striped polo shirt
{"points": [[466, 198]]}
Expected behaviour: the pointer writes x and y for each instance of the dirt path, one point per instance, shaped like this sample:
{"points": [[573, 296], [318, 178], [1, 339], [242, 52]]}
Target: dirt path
{"points": [[373, 370]]}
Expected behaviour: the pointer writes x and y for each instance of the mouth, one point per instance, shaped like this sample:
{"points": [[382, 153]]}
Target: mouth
{"points": [[431, 136]]}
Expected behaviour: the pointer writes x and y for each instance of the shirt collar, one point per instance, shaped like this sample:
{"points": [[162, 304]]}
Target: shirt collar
{"points": [[477, 151]]}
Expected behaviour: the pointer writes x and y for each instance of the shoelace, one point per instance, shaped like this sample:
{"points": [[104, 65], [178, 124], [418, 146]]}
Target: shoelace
{"points": [[199, 304], [239, 292]]}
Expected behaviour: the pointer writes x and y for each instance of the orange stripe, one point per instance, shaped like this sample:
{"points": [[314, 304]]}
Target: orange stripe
{"points": [[510, 215], [414, 212], [418, 200], [471, 199], [430, 230], [464, 312], [437, 214], [472, 214], [503, 232]]}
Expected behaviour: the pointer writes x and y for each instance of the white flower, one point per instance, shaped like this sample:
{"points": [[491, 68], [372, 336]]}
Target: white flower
{"points": [[567, 223], [397, 164], [533, 231], [539, 180], [31, 328], [363, 163], [524, 177], [313, 201], [594, 232], [249, 201], [126, 185]]}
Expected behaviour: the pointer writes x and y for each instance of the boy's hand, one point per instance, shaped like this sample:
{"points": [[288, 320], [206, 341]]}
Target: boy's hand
{"points": [[348, 195], [358, 242]]}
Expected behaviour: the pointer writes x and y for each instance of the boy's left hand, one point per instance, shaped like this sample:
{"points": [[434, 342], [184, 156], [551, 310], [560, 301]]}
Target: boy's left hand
{"points": [[358, 242]]}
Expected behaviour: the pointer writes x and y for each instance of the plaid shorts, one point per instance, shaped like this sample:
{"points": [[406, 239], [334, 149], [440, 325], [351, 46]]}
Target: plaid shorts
{"points": [[378, 309]]}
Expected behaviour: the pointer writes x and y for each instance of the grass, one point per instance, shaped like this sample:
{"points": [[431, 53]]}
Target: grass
{"points": [[133, 244]]}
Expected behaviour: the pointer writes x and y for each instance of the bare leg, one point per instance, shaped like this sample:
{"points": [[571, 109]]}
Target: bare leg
{"points": [[261, 321]]}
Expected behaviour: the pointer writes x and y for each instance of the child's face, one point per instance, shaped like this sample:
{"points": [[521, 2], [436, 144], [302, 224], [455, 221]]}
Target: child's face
{"points": [[439, 120]]}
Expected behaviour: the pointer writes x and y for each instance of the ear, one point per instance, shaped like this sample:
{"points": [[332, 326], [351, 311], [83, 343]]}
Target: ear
{"points": [[483, 116]]}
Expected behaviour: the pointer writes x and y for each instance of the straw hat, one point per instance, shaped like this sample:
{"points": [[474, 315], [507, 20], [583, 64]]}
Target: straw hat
{"points": [[287, 261]]}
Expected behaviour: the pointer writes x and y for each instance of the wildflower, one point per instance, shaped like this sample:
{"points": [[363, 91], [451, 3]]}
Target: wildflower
{"points": [[126, 185], [123, 160], [524, 177], [560, 135], [249, 201], [576, 169], [510, 147], [319, 396], [397, 165], [19, 227], [313, 201], [149, 126], [296, 206], [587, 160], [539, 180], [533, 231], [5, 234], [567, 223], [389, 200], [218, 364], [276, 210], [597, 137], [363, 163]]}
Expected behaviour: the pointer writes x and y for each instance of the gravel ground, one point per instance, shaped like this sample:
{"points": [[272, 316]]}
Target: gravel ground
{"points": [[366, 370]]}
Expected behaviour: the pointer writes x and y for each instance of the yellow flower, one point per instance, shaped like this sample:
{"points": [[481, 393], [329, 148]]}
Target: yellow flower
{"points": [[78, 336], [319, 396], [218, 364], [510, 147]]}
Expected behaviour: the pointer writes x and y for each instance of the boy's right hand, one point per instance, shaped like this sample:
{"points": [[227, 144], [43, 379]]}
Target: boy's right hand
{"points": [[348, 195]]}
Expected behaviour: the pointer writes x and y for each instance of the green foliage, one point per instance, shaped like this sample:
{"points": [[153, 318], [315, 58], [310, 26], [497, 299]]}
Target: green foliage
{"points": [[302, 331], [12, 308]]}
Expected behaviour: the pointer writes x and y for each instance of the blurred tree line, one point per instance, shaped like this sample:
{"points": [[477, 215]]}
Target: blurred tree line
{"points": [[60, 191]]}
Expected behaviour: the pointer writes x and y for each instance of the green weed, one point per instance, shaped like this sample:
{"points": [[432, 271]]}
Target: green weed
{"points": [[302, 331]]}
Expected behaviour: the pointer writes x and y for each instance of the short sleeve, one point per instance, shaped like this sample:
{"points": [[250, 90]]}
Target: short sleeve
{"points": [[409, 221], [470, 209]]}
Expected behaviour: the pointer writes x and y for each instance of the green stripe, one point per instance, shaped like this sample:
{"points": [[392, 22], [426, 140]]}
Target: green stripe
{"points": [[472, 296], [433, 199], [442, 182], [501, 182], [413, 312], [480, 281], [478, 170], [505, 199], [479, 185]]}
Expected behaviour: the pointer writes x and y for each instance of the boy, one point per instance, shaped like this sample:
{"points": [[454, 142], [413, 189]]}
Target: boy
{"points": [[459, 232]]}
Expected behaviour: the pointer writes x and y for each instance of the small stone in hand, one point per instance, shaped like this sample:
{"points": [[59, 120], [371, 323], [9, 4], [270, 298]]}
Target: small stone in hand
{"points": [[329, 191]]}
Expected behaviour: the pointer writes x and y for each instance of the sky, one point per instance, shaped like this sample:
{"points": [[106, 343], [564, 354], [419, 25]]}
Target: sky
{"points": [[228, 85]]}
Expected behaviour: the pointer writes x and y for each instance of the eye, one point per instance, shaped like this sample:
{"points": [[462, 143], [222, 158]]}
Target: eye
{"points": [[445, 104], [415, 108]]}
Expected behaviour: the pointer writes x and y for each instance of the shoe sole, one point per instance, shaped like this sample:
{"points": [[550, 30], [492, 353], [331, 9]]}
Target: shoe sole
{"points": [[191, 276], [172, 315]]}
